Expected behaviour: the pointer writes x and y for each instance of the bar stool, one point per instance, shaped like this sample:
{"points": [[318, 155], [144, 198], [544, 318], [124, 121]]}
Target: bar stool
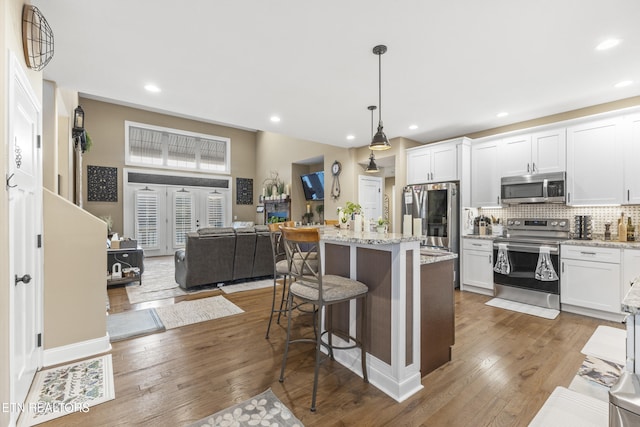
{"points": [[323, 291], [280, 268]]}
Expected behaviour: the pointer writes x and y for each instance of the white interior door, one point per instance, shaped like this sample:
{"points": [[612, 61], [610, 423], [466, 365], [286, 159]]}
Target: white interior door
{"points": [[25, 225], [370, 196]]}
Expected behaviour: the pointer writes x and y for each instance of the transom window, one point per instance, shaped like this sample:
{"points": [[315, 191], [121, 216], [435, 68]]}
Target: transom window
{"points": [[147, 145]]}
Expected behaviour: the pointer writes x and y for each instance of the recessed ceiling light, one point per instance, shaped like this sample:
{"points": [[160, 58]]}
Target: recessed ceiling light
{"points": [[623, 83], [502, 114], [275, 119], [608, 44], [152, 88], [351, 137], [413, 127]]}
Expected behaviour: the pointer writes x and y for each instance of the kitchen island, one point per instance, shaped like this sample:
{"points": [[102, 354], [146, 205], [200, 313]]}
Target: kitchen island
{"points": [[390, 265]]}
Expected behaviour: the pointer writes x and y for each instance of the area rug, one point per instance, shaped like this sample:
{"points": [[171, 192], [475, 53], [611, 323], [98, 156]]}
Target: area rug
{"points": [[158, 282], [195, 311], [547, 313], [134, 323], [66, 389], [264, 409], [247, 286], [608, 344]]}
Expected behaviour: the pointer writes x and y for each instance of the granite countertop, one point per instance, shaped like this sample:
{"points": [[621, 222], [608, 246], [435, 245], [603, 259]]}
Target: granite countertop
{"points": [[631, 301], [431, 256], [604, 244], [333, 234]]}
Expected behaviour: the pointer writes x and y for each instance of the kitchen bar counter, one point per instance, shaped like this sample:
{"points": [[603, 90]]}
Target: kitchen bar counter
{"points": [[480, 236], [631, 301], [389, 264]]}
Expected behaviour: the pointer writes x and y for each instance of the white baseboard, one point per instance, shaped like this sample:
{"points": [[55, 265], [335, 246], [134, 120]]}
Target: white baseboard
{"points": [[76, 351]]}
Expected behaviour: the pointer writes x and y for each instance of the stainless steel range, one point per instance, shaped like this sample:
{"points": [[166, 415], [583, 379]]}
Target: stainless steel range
{"points": [[526, 261]]}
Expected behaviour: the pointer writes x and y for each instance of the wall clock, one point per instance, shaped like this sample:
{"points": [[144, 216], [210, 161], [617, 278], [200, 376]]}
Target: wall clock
{"points": [[336, 168]]}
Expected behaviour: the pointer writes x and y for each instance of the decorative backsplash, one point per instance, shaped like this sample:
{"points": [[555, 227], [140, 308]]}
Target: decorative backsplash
{"points": [[599, 215]]}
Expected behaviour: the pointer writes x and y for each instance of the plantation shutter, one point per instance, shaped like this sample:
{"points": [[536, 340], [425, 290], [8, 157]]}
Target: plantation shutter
{"points": [[183, 217], [146, 218], [215, 210]]}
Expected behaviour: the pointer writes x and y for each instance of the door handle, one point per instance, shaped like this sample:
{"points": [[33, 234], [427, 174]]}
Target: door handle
{"points": [[24, 279]]}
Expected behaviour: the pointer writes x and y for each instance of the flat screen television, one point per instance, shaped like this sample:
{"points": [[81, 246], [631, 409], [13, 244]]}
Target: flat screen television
{"points": [[313, 185]]}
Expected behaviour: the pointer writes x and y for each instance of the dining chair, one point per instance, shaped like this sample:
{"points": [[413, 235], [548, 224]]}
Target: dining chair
{"points": [[280, 269]]}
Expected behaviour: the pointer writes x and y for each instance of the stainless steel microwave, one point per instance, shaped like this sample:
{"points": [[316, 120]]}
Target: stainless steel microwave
{"points": [[535, 188]]}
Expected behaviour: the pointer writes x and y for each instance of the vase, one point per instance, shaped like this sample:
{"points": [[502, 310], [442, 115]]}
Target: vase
{"points": [[344, 225], [380, 228]]}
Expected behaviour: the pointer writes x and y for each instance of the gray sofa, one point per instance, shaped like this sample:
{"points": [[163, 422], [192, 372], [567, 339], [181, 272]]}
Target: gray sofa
{"points": [[224, 255]]}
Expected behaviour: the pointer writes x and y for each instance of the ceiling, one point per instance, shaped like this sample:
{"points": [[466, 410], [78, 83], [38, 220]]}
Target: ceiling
{"points": [[451, 66]]}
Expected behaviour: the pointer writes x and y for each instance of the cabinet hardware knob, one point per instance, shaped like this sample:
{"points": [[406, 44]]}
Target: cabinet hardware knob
{"points": [[528, 168]]}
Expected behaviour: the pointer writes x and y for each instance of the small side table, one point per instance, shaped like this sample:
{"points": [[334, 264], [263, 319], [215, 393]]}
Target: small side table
{"points": [[130, 257]]}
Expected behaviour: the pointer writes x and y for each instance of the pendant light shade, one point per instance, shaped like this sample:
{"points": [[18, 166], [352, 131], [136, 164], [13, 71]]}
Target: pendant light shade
{"points": [[380, 141], [372, 167]]}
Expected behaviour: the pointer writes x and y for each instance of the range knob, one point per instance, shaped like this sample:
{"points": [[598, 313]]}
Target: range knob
{"points": [[510, 222], [554, 223], [517, 223], [563, 224]]}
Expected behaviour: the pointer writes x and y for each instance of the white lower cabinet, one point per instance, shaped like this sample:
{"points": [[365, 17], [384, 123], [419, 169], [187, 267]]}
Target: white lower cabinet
{"points": [[590, 281], [477, 265]]}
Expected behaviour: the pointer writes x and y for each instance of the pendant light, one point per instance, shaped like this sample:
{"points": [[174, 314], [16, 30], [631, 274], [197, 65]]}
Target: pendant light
{"points": [[372, 168], [380, 141]]}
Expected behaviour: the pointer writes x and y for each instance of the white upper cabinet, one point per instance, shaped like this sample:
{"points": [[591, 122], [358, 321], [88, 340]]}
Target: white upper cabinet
{"points": [[595, 159], [433, 163], [632, 157], [515, 155], [549, 151], [485, 174], [540, 152]]}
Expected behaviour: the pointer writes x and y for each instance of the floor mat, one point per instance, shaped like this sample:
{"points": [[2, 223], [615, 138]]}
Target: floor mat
{"points": [[607, 343], [200, 310], [70, 388], [134, 323], [534, 310]]}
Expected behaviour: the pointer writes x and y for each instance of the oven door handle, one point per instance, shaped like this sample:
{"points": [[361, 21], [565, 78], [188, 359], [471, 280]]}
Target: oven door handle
{"points": [[523, 247]]}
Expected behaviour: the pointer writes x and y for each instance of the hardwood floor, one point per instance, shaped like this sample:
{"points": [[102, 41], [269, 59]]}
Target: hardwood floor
{"points": [[505, 365]]}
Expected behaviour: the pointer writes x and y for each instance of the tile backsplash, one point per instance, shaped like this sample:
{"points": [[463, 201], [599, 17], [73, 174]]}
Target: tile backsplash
{"points": [[599, 215]]}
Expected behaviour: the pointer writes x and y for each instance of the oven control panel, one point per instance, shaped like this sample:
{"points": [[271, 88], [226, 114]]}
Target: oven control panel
{"points": [[539, 224]]}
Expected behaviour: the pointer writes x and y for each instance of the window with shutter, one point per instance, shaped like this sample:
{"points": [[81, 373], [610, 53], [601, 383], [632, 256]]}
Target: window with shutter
{"points": [[148, 145], [215, 210], [146, 218], [183, 217]]}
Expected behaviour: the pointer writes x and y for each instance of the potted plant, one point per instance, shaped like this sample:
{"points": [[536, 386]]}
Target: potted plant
{"points": [[346, 214], [381, 224]]}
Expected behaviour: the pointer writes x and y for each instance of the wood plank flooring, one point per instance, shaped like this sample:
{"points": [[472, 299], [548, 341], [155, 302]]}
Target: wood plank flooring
{"points": [[505, 365]]}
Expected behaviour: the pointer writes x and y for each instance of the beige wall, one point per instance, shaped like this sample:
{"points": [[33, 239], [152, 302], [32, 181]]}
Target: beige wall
{"points": [[75, 294], [279, 152], [573, 114], [10, 40], [105, 123]]}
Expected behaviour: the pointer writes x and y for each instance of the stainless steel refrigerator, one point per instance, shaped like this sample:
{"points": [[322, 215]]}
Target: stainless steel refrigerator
{"points": [[437, 206]]}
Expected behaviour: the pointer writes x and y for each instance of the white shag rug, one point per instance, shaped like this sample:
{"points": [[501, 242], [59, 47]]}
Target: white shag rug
{"points": [[547, 313], [195, 311]]}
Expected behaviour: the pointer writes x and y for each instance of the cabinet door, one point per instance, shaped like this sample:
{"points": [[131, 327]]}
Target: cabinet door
{"points": [[444, 163], [418, 166], [549, 151], [631, 268], [477, 268], [485, 174], [594, 163], [515, 156], [594, 285], [632, 157]]}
